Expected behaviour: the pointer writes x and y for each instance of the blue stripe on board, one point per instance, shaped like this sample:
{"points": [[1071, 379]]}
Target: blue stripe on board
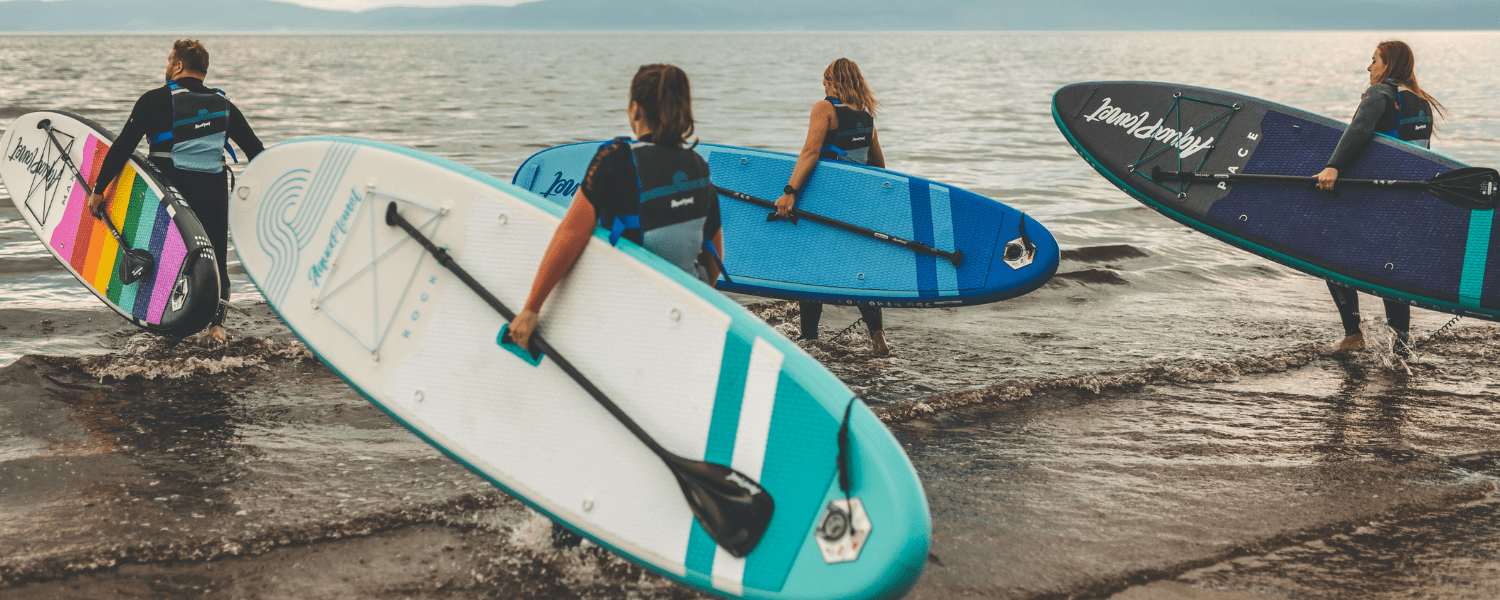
{"points": [[1476, 254], [921, 227], [942, 237], [159, 231], [723, 427]]}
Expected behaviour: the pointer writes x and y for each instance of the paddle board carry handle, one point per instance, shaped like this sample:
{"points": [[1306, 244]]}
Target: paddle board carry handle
{"points": [[733, 509], [1475, 188], [956, 257], [137, 262]]}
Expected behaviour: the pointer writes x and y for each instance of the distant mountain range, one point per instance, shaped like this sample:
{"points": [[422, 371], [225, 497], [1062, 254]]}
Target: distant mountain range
{"points": [[750, 15]]}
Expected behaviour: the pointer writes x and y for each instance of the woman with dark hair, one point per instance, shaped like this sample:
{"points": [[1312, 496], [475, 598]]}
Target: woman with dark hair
{"points": [[1396, 106], [652, 191], [841, 127]]}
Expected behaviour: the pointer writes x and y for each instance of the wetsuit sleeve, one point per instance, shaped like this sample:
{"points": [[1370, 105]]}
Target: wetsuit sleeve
{"points": [[242, 134], [1371, 107], [124, 145], [608, 174]]}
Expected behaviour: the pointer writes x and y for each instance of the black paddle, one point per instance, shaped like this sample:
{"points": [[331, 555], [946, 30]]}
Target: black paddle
{"points": [[956, 257], [138, 262], [734, 509], [1474, 187]]}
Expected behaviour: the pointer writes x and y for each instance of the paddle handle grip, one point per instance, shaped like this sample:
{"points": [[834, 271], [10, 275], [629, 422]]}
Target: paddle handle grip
{"points": [[393, 217], [956, 258], [46, 125]]}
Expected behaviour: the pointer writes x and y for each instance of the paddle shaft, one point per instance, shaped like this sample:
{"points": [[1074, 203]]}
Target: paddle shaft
{"points": [[956, 258], [1371, 183], [87, 190], [447, 261]]}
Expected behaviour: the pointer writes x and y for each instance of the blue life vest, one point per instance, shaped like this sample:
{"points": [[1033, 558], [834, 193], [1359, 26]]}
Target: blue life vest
{"points": [[675, 193], [200, 130], [1411, 121], [851, 141]]}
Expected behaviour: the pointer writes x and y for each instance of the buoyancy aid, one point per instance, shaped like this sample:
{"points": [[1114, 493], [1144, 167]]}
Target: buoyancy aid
{"points": [[851, 141], [200, 130], [1409, 120], [675, 194]]}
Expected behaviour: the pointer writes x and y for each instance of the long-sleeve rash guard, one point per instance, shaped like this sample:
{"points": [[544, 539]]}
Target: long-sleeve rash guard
{"points": [[1372, 106], [152, 115]]}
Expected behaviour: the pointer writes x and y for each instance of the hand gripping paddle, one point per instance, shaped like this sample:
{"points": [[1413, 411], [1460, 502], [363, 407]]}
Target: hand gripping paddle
{"points": [[1475, 188], [138, 262], [956, 257], [733, 508]]}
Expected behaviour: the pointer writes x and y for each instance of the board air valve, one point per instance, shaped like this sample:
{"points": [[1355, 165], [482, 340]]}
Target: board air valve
{"points": [[842, 530]]}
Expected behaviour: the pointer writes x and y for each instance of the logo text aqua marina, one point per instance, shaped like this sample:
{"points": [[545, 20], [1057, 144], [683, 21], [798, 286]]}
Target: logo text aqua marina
{"points": [[1133, 124]]}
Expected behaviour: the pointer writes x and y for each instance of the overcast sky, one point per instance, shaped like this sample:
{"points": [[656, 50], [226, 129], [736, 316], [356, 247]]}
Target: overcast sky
{"points": [[367, 4]]}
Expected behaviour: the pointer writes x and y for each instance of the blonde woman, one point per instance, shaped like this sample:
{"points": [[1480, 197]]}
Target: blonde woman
{"points": [[841, 127]]}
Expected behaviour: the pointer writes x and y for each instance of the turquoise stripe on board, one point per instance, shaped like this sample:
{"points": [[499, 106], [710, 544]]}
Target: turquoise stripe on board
{"points": [[723, 426], [1476, 254], [942, 237]]}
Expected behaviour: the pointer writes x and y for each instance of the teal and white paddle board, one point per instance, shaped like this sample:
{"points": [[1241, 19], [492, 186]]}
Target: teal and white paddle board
{"points": [[703, 376]]}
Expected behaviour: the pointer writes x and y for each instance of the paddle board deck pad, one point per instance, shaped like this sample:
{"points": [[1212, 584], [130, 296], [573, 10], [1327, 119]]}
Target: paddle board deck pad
{"points": [[1405, 245], [180, 294], [703, 376], [816, 262]]}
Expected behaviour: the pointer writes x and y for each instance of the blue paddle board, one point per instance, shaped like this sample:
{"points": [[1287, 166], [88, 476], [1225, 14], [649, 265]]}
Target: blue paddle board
{"points": [[817, 262], [701, 375], [1405, 245]]}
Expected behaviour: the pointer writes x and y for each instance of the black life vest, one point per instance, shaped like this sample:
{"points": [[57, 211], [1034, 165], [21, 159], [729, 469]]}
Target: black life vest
{"points": [[1410, 120], [675, 193], [851, 141], [200, 130]]}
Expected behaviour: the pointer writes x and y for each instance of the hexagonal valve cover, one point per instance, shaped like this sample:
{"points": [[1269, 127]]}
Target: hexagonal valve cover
{"points": [[842, 530]]}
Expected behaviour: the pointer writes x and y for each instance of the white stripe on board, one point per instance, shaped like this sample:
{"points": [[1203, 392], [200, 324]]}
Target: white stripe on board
{"points": [[942, 238], [750, 443]]}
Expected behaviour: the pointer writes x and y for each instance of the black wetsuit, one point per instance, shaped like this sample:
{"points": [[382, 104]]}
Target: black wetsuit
{"points": [[206, 193], [666, 222], [1380, 109], [850, 141]]}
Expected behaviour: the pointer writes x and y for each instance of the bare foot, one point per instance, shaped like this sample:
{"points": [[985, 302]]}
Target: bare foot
{"points": [[217, 334], [1350, 344], [877, 339]]}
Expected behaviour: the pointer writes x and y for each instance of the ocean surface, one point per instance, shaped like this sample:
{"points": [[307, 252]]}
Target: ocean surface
{"points": [[1163, 420]]}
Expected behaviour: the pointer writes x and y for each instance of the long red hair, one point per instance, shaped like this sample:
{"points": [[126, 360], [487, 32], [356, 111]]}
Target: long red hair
{"points": [[1401, 67]]}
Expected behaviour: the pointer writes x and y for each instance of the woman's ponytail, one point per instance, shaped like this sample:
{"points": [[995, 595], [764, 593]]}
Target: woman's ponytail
{"points": [[666, 103]]}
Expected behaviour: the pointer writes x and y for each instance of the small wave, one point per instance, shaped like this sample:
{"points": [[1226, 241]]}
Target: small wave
{"points": [[151, 356], [1098, 276], [457, 512], [1098, 254]]}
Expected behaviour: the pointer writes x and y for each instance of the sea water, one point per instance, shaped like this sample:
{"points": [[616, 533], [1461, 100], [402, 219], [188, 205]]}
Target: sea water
{"points": [[1165, 417]]}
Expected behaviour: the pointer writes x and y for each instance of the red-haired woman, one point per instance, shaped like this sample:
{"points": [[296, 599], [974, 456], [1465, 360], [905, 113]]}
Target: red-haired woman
{"points": [[631, 190], [1396, 106], [841, 127]]}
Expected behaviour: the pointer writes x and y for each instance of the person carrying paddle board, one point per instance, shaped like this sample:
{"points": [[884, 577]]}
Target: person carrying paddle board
{"points": [[652, 191], [188, 124], [841, 127], [1396, 106]]}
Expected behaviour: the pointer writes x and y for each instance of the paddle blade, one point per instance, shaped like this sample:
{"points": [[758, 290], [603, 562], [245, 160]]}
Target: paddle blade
{"points": [[137, 264], [732, 508], [1474, 187]]}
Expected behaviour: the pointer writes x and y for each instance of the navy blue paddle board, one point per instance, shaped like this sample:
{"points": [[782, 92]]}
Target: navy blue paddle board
{"points": [[1405, 245]]}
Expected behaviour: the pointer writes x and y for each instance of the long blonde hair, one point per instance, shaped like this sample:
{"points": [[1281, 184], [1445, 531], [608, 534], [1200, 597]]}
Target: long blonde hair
{"points": [[1401, 67], [848, 85]]}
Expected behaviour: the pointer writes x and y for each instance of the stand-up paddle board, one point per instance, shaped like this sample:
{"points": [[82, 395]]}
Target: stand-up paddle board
{"points": [[867, 236], [1411, 233], [150, 261], [321, 225]]}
